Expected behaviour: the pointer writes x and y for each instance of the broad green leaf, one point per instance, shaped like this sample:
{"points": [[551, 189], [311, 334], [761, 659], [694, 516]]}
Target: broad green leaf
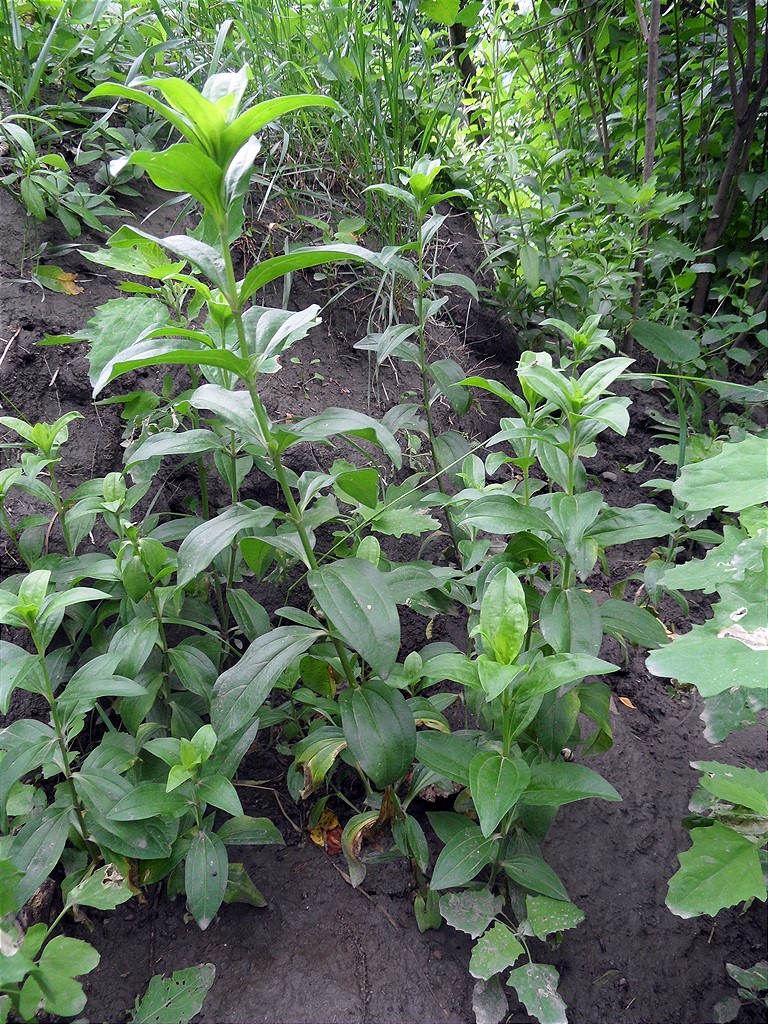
{"points": [[735, 479], [547, 915], [37, 849], [449, 756], [726, 712], [174, 1000], [333, 421], [503, 514], [529, 261], [115, 326], [186, 442], [746, 787], [496, 783], [561, 782], [62, 960], [219, 792], [202, 545], [147, 800], [379, 729], [670, 345], [246, 831], [494, 952], [302, 259], [729, 562], [205, 877], [105, 889], [495, 678], [721, 869], [536, 988], [536, 875], [403, 522], [470, 910], [557, 670], [95, 679], [234, 409], [240, 888], [462, 858], [504, 616], [633, 623], [360, 484], [353, 595], [489, 1002], [183, 168], [570, 621], [729, 650], [242, 689], [624, 525]]}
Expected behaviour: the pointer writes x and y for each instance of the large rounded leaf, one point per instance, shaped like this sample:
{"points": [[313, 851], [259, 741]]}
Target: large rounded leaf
{"points": [[379, 730]]}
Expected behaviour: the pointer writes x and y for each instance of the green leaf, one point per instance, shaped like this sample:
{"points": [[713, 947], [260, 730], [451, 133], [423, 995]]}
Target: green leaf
{"points": [[735, 479], [186, 442], [346, 421], [494, 952], [536, 988], [174, 1000], [536, 875], [205, 877], [462, 858], [561, 782], [557, 670], [529, 261], [219, 792], [353, 595], [624, 525], [670, 345], [730, 649], [470, 910], [115, 326], [246, 831], [746, 787], [403, 522], [105, 889], [547, 915], [183, 168], [201, 546], [302, 259], [504, 616], [503, 514], [147, 800], [633, 623], [496, 783], [360, 484], [570, 621], [37, 849], [240, 888], [241, 690], [721, 869], [489, 1002], [379, 729], [62, 960], [449, 756]]}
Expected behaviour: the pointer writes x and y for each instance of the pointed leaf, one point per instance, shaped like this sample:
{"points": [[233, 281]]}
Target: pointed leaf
{"points": [[462, 858], [496, 783], [205, 877], [379, 730]]}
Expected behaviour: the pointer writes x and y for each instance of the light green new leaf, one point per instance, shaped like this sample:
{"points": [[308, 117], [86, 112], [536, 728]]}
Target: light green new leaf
{"points": [[735, 479], [463, 857], [536, 988], [504, 616], [494, 952], [496, 783], [547, 915], [353, 595], [174, 1000], [205, 877], [379, 729], [470, 910], [721, 869], [746, 787]]}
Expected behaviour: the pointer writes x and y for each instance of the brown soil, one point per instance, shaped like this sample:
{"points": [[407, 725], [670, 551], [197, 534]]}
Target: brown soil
{"points": [[322, 951]]}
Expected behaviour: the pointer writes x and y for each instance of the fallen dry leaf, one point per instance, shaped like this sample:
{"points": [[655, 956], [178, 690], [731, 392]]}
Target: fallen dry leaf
{"points": [[627, 703]]}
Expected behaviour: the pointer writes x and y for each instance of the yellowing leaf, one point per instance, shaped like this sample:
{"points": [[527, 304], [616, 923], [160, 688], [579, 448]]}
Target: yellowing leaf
{"points": [[57, 280]]}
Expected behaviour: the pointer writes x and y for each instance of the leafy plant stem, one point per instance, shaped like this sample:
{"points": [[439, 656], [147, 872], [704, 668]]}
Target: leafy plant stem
{"points": [[93, 851]]}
